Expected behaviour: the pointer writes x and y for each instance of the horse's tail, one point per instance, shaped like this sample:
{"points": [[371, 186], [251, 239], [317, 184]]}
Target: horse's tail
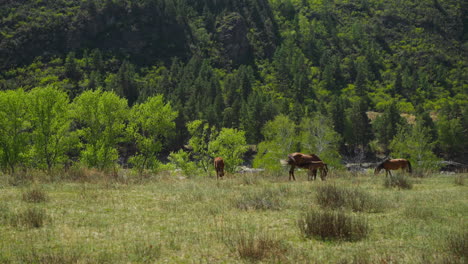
{"points": [[409, 166]]}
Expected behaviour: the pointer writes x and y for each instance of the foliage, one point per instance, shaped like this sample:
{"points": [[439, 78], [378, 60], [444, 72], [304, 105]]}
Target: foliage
{"points": [[238, 64], [150, 125], [414, 144], [14, 128], [181, 160], [101, 118], [50, 120], [230, 145], [387, 125], [280, 140], [201, 136], [318, 137]]}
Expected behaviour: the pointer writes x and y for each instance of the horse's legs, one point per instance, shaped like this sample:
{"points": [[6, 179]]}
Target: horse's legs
{"points": [[323, 174], [309, 174], [291, 173]]}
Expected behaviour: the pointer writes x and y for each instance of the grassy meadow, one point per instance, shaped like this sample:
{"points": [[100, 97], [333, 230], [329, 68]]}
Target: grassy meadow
{"points": [[165, 218]]}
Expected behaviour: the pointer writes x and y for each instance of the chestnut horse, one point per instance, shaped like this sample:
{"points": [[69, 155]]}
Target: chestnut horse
{"points": [[393, 164], [301, 161], [219, 167], [317, 165]]}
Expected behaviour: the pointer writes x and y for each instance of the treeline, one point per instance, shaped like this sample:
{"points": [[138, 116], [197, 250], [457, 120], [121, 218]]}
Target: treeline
{"points": [[43, 129], [357, 66]]}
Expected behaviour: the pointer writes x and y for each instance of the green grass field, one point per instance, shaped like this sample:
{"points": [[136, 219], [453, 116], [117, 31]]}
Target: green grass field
{"points": [[245, 217]]}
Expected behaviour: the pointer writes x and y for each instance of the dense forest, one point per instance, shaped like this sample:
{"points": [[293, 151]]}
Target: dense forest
{"points": [[127, 81]]}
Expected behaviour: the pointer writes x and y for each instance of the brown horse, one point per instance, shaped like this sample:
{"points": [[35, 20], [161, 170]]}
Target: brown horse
{"points": [[393, 164], [317, 165], [303, 161], [219, 167]]}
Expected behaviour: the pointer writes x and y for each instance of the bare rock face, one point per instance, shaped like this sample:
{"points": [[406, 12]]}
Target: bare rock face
{"points": [[232, 35]]}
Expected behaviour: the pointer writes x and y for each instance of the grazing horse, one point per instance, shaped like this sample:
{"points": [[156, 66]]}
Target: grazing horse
{"points": [[301, 161], [393, 164], [219, 167], [317, 165]]}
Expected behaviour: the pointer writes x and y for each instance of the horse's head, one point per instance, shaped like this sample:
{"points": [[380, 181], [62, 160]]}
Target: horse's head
{"points": [[378, 169]]}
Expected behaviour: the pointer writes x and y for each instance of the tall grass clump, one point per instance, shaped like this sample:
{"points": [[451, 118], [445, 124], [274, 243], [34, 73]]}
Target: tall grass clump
{"points": [[267, 199], [457, 244], [254, 245], [35, 195], [398, 180], [460, 180], [335, 197], [333, 225], [31, 218]]}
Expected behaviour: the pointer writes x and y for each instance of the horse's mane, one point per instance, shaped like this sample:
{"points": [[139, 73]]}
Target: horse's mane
{"points": [[381, 164]]}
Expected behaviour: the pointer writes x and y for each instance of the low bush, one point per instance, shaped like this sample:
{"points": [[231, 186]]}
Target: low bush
{"points": [[254, 245], [333, 225], [399, 180], [35, 195], [334, 197], [31, 218]]}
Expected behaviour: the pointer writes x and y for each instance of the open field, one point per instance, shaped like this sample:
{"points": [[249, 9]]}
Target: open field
{"points": [[245, 217]]}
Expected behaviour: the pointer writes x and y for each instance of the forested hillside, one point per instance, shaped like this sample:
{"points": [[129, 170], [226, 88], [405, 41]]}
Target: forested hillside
{"points": [[352, 78]]}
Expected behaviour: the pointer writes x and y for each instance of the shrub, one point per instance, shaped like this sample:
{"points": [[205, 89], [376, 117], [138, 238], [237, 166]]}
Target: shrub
{"points": [[335, 197], [398, 180], [31, 217], [327, 225], [35, 195], [254, 245]]}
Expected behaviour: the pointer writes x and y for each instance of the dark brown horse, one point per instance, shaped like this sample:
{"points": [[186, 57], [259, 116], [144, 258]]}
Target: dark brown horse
{"points": [[393, 164], [219, 167], [303, 161], [317, 165]]}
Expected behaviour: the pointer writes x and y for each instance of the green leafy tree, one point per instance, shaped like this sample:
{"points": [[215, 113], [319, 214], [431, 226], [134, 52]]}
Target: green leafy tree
{"points": [[230, 144], [318, 137], [150, 124], [14, 127], [386, 126], [451, 136], [415, 144], [50, 119], [100, 117], [201, 134], [357, 129], [280, 140]]}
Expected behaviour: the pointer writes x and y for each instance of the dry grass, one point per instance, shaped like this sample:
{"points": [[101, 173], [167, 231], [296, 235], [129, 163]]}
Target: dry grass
{"points": [[32, 217], [35, 195], [167, 219], [329, 225]]}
